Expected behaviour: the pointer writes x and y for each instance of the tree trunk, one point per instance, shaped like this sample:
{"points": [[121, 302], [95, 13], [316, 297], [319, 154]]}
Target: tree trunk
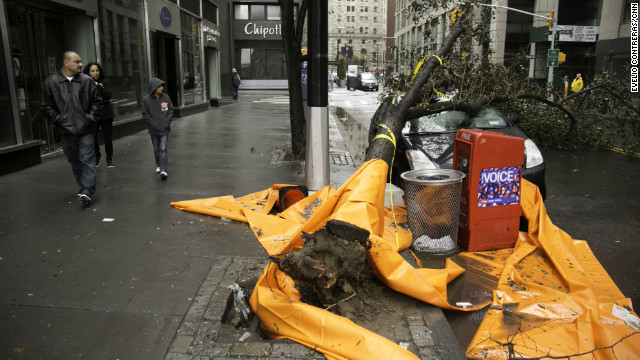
{"points": [[292, 30], [382, 148]]}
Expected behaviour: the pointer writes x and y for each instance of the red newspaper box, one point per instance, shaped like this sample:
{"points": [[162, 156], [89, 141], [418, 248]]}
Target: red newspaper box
{"points": [[490, 202]]}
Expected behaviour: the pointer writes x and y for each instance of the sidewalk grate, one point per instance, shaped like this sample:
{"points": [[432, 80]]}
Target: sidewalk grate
{"points": [[342, 158]]}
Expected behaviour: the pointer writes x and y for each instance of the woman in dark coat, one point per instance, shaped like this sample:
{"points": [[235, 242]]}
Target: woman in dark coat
{"points": [[105, 113]]}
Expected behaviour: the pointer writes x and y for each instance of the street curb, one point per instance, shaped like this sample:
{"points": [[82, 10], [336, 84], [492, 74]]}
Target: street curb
{"points": [[198, 336]]}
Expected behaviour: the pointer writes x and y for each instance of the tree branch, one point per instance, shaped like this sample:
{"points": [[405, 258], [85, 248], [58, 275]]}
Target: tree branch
{"points": [[581, 92], [302, 14], [557, 105], [630, 106]]}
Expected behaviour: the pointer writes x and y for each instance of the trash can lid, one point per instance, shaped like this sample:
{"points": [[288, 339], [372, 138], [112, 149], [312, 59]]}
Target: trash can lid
{"points": [[433, 176]]}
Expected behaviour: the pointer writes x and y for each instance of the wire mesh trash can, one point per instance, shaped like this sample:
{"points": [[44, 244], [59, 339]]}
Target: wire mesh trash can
{"points": [[433, 209]]}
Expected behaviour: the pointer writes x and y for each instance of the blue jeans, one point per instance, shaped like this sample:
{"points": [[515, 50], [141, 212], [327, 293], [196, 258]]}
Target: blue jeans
{"points": [[160, 151], [80, 154], [235, 93]]}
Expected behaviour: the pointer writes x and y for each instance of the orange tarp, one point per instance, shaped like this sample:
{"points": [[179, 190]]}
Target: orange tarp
{"points": [[553, 297]]}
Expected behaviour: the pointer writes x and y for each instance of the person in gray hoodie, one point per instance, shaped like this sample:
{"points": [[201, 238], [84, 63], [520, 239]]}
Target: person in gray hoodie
{"points": [[157, 112]]}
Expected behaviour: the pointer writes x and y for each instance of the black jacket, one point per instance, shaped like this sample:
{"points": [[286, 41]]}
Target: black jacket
{"points": [[236, 80], [70, 105], [157, 112], [106, 111]]}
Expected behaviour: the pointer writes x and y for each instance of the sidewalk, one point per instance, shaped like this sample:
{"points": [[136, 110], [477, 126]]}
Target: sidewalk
{"points": [[133, 278]]}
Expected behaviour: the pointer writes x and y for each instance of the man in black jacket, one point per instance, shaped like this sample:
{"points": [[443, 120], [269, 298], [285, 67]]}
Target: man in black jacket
{"points": [[70, 100], [236, 83]]}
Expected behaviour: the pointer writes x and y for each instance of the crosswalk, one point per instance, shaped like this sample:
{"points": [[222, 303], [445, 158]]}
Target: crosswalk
{"points": [[274, 100], [339, 100]]}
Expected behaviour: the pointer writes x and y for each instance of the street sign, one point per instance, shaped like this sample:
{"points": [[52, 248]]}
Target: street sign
{"points": [[552, 57]]}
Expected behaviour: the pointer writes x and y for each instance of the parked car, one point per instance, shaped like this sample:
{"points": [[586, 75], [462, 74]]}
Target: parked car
{"points": [[366, 81], [427, 142]]}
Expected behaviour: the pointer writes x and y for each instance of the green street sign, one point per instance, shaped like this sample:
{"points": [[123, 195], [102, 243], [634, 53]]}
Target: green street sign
{"points": [[552, 57]]}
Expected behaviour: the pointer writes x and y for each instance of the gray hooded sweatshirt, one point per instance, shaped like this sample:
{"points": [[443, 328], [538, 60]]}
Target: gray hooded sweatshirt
{"points": [[157, 112]]}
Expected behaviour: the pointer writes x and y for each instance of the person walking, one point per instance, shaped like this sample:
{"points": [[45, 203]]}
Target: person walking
{"points": [[236, 83], [576, 84], [566, 86], [105, 113], [157, 111], [70, 101]]}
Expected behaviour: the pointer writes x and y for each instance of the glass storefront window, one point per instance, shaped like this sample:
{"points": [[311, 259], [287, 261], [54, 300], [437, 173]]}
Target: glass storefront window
{"points": [[257, 12], [192, 79], [241, 12], [122, 46], [273, 12], [7, 127], [37, 36], [261, 64]]}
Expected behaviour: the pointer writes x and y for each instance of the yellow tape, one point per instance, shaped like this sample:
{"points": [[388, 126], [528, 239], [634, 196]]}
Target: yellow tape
{"points": [[391, 138], [415, 71]]}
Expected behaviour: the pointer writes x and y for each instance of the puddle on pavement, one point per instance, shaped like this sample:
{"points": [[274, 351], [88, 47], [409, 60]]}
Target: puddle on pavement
{"points": [[355, 134], [475, 286]]}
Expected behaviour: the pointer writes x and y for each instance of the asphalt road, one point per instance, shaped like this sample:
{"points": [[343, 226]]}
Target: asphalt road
{"points": [[595, 196]]}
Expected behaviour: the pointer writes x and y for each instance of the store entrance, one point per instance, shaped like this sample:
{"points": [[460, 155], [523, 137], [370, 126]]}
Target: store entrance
{"points": [[37, 42], [165, 63]]}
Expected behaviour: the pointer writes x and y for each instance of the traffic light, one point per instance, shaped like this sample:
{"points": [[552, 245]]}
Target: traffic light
{"points": [[194, 29], [550, 21], [455, 14], [562, 57]]}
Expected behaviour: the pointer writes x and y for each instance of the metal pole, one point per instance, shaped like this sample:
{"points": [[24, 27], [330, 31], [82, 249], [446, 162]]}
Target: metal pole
{"points": [[317, 148], [553, 35], [377, 54], [553, 40]]}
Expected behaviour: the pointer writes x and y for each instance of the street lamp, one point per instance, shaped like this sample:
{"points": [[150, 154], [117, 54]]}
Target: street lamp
{"points": [[376, 44], [338, 40]]}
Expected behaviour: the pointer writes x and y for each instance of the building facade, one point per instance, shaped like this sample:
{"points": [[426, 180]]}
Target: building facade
{"points": [[257, 45], [594, 34], [358, 33], [190, 44]]}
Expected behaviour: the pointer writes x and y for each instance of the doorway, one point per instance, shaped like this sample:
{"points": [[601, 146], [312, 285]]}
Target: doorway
{"points": [[165, 63]]}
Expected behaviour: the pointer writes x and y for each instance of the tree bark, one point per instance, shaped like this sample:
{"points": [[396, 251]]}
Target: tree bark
{"points": [[292, 31], [382, 148]]}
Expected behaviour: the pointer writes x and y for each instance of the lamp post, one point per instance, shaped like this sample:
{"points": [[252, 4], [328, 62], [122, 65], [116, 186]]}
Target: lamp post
{"points": [[347, 28], [376, 59]]}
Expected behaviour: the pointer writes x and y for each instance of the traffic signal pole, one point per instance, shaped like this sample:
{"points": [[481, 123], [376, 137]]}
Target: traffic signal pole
{"points": [[317, 141], [553, 39], [554, 23]]}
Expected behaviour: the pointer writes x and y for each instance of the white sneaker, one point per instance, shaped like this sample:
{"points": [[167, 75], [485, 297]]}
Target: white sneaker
{"points": [[163, 175], [158, 170], [85, 199]]}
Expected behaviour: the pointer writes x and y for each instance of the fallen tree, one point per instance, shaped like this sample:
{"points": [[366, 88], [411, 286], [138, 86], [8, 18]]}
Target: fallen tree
{"points": [[602, 114]]}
